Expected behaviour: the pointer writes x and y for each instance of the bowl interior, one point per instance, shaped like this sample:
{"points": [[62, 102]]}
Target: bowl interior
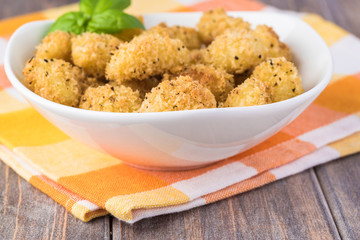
{"points": [[304, 42], [21, 50]]}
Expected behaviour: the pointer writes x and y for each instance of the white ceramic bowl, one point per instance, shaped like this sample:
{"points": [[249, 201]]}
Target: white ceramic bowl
{"points": [[182, 139]]}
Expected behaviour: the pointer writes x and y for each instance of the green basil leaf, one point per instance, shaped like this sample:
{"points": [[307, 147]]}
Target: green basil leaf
{"points": [[104, 5], [74, 22], [112, 21], [88, 6]]}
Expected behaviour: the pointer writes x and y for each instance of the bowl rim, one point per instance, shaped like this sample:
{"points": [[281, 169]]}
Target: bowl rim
{"points": [[117, 116]]}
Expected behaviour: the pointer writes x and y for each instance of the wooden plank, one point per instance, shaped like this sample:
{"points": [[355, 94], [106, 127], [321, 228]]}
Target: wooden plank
{"points": [[11, 8], [346, 14], [318, 7], [340, 179], [292, 208], [26, 213], [343, 13], [340, 183]]}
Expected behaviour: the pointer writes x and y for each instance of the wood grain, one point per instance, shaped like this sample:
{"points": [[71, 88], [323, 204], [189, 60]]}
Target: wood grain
{"points": [[340, 183], [339, 179], [346, 14], [11, 8], [318, 7], [26, 213], [343, 13], [292, 208]]}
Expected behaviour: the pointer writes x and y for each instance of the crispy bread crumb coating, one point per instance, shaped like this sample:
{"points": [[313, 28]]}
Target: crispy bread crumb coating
{"points": [[215, 22], [274, 47], [143, 86], [55, 45], [250, 93], [281, 77], [219, 82], [54, 79], [127, 35], [109, 98], [235, 51], [90, 82], [225, 63], [146, 56], [243, 49], [182, 93], [196, 56], [189, 36], [91, 51]]}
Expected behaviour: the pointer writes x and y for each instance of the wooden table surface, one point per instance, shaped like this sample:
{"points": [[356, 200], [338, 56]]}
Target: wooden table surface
{"points": [[320, 203]]}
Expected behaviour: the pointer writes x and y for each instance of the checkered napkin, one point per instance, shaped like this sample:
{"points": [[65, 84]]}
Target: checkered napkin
{"points": [[90, 184]]}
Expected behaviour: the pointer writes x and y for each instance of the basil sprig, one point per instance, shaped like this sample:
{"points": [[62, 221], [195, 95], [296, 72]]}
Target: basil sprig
{"points": [[99, 16]]}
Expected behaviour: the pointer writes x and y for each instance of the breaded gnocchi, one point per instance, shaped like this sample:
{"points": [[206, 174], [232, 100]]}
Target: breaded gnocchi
{"points": [[250, 93], [146, 56], [90, 82], [189, 36], [218, 81], [110, 98], [55, 45], [215, 22], [92, 52], [183, 93], [223, 63], [281, 77], [54, 79], [270, 41], [196, 56], [235, 51], [238, 51]]}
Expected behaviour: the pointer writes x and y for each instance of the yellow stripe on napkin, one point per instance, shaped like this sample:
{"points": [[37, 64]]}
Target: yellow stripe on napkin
{"points": [[330, 32], [31, 129], [348, 145], [54, 160], [122, 205]]}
